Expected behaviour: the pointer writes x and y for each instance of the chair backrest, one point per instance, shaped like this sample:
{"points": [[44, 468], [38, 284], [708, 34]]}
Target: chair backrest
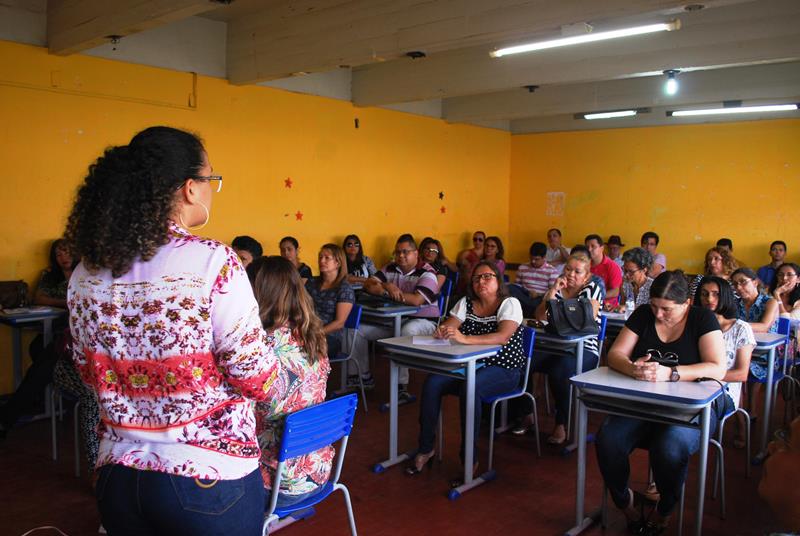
{"points": [[528, 340], [785, 328], [312, 428], [354, 318], [452, 276], [602, 335], [444, 294]]}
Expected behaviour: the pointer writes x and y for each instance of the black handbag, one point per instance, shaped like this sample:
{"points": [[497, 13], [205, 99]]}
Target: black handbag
{"points": [[13, 294], [573, 316]]}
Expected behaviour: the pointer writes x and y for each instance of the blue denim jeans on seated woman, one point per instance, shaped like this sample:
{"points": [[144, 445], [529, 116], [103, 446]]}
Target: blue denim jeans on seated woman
{"points": [[559, 369], [139, 503], [670, 447], [489, 381]]}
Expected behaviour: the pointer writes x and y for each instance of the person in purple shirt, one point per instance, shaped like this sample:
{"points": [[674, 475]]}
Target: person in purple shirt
{"points": [[406, 282]]}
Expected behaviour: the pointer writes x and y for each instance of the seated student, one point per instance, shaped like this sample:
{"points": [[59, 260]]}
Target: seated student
{"points": [[493, 252], [298, 339], [248, 249], [404, 281], [575, 282], [359, 266], [432, 253], [290, 250], [487, 315], [557, 254], [580, 248], [650, 243], [332, 295], [777, 251], [615, 246], [533, 279], [718, 263], [737, 335], [605, 268], [636, 277], [68, 380], [692, 333], [753, 305], [786, 289], [51, 291], [725, 243], [467, 259]]}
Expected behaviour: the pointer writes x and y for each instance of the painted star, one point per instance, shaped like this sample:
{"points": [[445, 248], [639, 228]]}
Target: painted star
{"points": [[288, 182], [441, 195], [298, 215], [443, 209]]}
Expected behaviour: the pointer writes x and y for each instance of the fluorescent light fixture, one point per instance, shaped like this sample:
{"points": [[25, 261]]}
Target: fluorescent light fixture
{"points": [[588, 38], [735, 110], [610, 115]]}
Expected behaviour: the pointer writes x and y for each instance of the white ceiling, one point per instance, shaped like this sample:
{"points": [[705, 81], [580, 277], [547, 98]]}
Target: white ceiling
{"points": [[727, 50]]}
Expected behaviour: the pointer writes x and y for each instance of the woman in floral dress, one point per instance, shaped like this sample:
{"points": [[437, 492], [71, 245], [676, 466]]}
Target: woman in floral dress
{"points": [[296, 334]]}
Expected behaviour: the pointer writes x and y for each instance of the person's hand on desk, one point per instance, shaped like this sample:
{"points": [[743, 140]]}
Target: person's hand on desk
{"points": [[394, 291], [450, 333], [650, 371], [373, 286]]}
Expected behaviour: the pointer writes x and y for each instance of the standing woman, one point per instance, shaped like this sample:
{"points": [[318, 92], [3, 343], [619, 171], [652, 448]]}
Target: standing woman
{"points": [[487, 315], [297, 335], [575, 282], [493, 252], [290, 250], [166, 331], [785, 288], [359, 266], [332, 295]]}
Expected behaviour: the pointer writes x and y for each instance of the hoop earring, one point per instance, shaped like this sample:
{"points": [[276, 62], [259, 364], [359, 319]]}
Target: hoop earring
{"points": [[197, 227]]}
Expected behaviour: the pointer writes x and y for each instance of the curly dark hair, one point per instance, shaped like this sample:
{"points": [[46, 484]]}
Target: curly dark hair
{"points": [[122, 211]]}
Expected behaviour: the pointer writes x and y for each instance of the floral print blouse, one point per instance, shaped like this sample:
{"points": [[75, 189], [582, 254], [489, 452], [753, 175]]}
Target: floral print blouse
{"points": [[175, 351], [305, 386]]}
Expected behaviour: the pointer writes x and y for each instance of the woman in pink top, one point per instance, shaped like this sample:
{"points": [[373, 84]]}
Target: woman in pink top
{"points": [[166, 331]]}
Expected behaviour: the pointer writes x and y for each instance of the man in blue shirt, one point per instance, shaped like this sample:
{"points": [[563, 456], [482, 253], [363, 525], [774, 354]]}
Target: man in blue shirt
{"points": [[777, 250]]}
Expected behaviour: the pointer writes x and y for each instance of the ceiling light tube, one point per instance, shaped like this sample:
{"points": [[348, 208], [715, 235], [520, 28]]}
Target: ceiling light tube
{"points": [[735, 110], [610, 115], [587, 38]]}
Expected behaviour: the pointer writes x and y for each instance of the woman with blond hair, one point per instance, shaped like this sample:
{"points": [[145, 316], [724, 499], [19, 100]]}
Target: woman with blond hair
{"points": [[297, 334]]}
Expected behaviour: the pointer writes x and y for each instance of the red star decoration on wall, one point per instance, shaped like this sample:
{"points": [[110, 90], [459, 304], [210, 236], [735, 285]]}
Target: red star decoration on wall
{"points": [[288, 182], [443, 209], [298, 215]]}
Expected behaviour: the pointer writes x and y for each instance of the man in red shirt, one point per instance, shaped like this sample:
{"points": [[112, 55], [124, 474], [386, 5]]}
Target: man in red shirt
{"points": [[605, 268]]}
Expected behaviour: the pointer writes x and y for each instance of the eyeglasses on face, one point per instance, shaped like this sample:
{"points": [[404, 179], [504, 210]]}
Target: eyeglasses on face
{"points": [[211, 178], [431, 250], [667, 359], [631, 272], [399, 252], [740, 282], [787, 275], [488, 276], [352, 245]]}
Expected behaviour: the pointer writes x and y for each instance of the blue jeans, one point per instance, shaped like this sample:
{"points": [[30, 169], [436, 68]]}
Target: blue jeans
{"points": [[670, 447], [559, 369], [489, 381], [138, 503]]}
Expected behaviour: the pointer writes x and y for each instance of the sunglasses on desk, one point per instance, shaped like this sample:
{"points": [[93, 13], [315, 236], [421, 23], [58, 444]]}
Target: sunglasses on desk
{"points": [[667, 359]]}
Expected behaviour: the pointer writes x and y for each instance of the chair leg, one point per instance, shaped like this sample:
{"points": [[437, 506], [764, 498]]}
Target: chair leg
{"points": [[569, 414], [546, 393], [53, 433], [680, 509], [747, 445], [360, 383], [604, 508], [535, 424], [75, 420], [717, 467], [441, 435], [491, 432], [350, 516], [721, 468]]}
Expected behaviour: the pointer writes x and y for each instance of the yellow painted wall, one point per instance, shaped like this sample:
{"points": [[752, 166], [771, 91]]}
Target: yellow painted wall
{"points": [[382, 179], [691, 184]]}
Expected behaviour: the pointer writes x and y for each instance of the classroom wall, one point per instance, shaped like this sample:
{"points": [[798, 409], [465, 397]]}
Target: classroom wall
{"points": [[690, 184], [379, 180]]}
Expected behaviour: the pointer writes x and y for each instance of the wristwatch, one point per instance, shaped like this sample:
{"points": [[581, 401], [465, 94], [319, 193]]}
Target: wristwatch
{"points": [[674, 376]]}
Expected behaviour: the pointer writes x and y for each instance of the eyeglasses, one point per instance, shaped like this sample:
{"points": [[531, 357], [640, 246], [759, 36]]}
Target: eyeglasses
{"points": [[787, 274], [631, 272], [477, 239], [352, 245], [668, 359], [211, 178], [740, 282], [483, 277], [432, 250], [399, 252]]}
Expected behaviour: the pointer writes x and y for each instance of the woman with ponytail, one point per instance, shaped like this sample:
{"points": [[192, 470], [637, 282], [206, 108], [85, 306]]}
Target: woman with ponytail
{"points": [[166, 331]]}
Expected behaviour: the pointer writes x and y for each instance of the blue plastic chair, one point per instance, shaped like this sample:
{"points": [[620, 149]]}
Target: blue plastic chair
{"points": [[351, 324], [444, 296], [528, 338], [453, 276], [304, 432]]}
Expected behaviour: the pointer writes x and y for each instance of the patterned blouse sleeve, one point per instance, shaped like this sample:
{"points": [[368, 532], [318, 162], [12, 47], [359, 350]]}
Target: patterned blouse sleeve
{"points": [[241, 349], [370, 266], [593, 291], [346, 294]]}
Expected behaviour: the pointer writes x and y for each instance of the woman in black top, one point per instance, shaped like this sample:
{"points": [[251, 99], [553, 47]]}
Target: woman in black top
{"points": [[669, 324], [432, 253], [487, 315], [290, 250]]}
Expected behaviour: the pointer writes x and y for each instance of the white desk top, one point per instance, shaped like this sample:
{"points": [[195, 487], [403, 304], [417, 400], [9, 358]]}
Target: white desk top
{"points": [[769, 340], [30, 314], [603, 380], [389, 310], [614, 317], [454, 353]]}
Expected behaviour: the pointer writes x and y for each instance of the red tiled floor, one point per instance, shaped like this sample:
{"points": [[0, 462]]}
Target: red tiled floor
{"points": [[530, 496]]}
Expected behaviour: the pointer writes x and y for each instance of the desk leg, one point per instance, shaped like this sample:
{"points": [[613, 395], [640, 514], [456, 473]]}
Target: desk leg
{"points": [[574, 400], [47, 331], [394, 458], [705, 432], [398, 325], [581, 523], [16, 351], [767, 410]]}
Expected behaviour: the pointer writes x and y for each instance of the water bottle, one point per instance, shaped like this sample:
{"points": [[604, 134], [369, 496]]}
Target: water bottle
{"points": [[630, 305]]}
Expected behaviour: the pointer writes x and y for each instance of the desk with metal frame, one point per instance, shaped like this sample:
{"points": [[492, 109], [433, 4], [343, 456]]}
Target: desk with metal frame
{"points": [[678, 403], [439, 360], [18, 321], [390, 312], [767, 344]]}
